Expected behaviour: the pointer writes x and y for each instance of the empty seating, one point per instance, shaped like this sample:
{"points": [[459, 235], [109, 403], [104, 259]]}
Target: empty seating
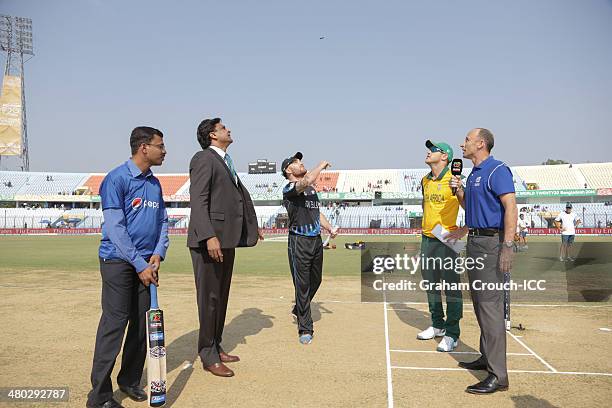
{"points": [[327, 181], [172, 183], [553, 177], [359, 181], [264, 186], [93, 183], [597, 175], [52, 184], [11, 182]]}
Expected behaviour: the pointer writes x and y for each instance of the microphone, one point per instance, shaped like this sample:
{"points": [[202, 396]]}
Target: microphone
{"points": [[456, 170]]}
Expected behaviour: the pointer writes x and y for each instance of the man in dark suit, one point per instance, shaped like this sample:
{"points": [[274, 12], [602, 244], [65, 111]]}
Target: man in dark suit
{"points": [[222, 218]]}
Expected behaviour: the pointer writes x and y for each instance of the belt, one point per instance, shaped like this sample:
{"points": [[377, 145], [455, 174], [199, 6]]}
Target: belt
{"points": [[484, 232]]}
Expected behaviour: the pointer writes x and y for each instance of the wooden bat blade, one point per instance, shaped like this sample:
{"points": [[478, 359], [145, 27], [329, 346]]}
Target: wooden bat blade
{"points": [[156, 353]]}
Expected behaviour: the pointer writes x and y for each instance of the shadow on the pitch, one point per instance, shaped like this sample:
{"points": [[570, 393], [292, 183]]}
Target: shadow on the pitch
{"points": [[316, 310], [182, 352], [249, 323], [529, 401], [421, 321]]}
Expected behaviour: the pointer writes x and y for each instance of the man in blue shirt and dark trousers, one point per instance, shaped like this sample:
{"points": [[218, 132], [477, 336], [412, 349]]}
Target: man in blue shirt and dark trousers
{"points": [[490, 215], [134, 242]]}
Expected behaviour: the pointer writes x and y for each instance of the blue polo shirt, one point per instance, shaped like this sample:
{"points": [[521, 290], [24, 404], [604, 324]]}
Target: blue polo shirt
{"points": [[484, 185], [136, 223]]}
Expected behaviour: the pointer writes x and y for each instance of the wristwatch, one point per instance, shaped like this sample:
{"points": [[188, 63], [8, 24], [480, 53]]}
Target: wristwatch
{"points": [[508, 244]]}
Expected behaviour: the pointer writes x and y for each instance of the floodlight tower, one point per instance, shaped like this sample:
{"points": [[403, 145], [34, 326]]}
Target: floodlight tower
{"points": [[16, 41]]}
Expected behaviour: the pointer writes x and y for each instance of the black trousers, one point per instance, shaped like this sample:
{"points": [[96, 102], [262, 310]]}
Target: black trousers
{"points": [[306, 264], [213, 281], [125, 301]]}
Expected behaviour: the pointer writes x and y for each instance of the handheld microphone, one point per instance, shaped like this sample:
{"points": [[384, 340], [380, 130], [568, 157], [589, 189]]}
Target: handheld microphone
{"points": [[456, 170]]}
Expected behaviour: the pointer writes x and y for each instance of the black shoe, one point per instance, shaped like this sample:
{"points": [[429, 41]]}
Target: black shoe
{"points": [[135, 393], [487, 386], [111, 403], [474, 365]]}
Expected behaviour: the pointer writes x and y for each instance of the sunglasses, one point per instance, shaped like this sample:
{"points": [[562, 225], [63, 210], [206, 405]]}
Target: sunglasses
{"points": [[435, 149]]}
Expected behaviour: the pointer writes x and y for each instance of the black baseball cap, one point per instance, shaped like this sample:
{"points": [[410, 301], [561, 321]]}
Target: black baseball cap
{"points": [[289, 160], [568, 205]]}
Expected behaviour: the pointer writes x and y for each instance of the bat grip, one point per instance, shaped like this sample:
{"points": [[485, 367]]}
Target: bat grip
{"points": [[153, 290]]}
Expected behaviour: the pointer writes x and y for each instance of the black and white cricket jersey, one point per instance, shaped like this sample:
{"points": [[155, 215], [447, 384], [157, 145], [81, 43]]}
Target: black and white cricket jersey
{"points": [[303, 210]]}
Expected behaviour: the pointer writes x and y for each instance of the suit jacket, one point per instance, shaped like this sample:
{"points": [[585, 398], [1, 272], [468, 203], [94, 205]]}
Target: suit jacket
{"points": [[219, 207]]}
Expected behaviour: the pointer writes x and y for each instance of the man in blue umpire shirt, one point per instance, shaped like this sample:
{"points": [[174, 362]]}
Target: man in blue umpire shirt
{"points": [[490, 215], [134, 242]]}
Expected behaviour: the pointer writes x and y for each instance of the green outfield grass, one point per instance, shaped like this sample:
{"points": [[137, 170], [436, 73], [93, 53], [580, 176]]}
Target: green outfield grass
{"points": [[78, 254]]}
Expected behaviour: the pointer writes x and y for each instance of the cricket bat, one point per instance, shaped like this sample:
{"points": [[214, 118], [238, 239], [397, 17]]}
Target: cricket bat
{"points": [[156, 352], [507, 303], [334, 229]]}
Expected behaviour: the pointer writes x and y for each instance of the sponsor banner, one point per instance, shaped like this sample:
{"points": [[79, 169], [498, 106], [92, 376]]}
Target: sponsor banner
{"points": [[556, 193], [49, 231], [403, 195], [57, 198], [604, 191], [285, 231], [579, 231], [10, 116], [346, 196]]}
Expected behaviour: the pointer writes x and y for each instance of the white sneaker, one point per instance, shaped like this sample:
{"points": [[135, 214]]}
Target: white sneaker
{"points": [[447, 344], [430, 332]]}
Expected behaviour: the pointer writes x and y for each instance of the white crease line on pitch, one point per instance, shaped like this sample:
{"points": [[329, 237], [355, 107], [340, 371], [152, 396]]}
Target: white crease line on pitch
{"points": [[453, 352], [388, 354], [532, 352], [510, 371], [469, 307]]}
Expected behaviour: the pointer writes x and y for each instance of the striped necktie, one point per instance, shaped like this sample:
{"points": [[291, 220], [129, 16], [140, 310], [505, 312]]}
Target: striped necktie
{"points": [[230, 165]]}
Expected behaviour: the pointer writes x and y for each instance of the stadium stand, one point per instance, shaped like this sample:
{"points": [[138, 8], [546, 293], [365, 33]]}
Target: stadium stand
{"points": [[401, 185], [327, 181], [596, 175], [397, 216], [561, 176], [411, 180], [29, 217], [52, 183], [270, 184], [593, 215], [93, 183], [519, 184], [11, 182], [369, 181], [172, 183], [184, 189]]}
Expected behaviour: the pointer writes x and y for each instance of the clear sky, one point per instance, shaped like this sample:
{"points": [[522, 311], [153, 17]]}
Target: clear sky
{"points": [[387, 76]]}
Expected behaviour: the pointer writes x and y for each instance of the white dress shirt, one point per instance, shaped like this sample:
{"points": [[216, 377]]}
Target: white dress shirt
{"points": [[222, 153]]}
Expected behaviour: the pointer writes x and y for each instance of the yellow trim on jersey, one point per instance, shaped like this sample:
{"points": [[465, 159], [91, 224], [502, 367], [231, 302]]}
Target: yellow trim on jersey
{"points": [[440, 206]]}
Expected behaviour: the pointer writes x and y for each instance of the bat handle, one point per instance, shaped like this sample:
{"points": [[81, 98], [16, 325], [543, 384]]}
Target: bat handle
{"points": [[153, 290]]}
